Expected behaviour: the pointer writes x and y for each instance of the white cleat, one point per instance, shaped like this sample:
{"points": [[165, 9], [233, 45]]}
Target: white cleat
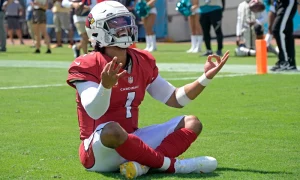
{"points": [[133, 169], [190, 50], [203, 164], [151, 49], [196, 50]]}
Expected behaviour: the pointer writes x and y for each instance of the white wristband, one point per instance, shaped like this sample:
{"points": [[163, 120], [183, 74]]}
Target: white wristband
{"points": [[203, 80]]}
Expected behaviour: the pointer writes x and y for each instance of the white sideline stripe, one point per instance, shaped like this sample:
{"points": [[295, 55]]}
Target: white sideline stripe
{"points": [[33, 86], [163, 67], [59, 85]]}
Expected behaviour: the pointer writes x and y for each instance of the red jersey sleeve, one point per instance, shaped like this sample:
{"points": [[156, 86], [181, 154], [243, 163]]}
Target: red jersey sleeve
{"points": [[85, 68], [152, 64]]}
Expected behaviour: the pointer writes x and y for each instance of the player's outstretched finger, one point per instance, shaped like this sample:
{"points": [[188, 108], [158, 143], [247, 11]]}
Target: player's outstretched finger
{"points": [[121, 74], [224, 60], [113, 62], [118, 68], [225, 55], [106, 67]]}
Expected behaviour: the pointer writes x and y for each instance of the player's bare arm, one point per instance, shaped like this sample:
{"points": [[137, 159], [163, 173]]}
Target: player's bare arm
{"points": [[188, 92]]}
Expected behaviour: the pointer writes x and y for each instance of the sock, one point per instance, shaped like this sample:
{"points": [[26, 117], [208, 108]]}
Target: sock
{"points": [[153, 41], [193, 41], [147, 42], [199, 41], [150, 43], [177, 142], [134, 149], [171, 169]]}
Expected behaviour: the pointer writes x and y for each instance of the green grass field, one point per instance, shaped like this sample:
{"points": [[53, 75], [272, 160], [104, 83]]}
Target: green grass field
{"points": [[251, 122]]}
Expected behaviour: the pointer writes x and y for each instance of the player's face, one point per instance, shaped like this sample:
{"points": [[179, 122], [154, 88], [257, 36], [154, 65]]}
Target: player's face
{"points": [[119, 24]]}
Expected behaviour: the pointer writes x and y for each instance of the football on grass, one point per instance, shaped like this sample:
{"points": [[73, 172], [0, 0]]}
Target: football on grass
{"points": [[256, 6]]}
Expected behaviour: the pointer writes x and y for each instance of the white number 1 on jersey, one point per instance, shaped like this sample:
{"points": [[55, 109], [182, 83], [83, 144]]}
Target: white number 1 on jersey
{"points": [[130, 98]]}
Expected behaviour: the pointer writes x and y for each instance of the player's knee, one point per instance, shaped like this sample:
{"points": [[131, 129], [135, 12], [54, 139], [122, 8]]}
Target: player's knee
{"points": [[113, 135], [193, 123]]}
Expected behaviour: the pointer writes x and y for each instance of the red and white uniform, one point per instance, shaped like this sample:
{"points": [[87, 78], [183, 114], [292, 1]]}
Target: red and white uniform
{"points": [[126, 96]]}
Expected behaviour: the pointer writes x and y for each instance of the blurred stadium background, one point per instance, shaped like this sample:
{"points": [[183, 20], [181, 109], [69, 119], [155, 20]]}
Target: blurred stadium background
{"points": [[167, 22], [251, 122]]}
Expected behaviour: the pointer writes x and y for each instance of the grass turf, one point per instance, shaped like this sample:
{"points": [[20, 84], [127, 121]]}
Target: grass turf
{"points": [[251, 123]]}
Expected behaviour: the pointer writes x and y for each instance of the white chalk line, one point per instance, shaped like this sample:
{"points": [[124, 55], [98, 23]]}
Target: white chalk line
{"points": [[59, 85]]}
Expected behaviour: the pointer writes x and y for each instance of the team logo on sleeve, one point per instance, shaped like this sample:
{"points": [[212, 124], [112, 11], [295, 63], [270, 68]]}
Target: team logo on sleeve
{"points": [[89, 21]]}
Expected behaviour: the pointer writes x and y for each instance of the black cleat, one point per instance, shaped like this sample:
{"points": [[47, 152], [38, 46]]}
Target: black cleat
{"points": [[37, 51], [48, 51]]}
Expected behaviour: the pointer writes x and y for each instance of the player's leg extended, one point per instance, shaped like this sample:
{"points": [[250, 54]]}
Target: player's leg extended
{"points": [[172, 139], [183, 135], [179, 141]]}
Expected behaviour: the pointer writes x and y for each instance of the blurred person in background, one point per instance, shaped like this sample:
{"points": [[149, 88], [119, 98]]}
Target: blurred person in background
{"points": [[13, 12], [129, 4], [249, 27], [148, 23], [28, 18], [283, 32], [61, 22], [2, 29], [271, 18], [211, 14], [81, 12], [195, 27], [39, 23], [72, 28]]}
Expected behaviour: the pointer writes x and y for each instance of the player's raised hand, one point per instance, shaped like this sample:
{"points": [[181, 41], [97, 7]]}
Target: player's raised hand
{"points": [[110, 73], [212, 68]]}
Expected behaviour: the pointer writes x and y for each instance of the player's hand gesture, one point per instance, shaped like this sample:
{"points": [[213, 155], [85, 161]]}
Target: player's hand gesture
{"points": [[212, 68], [110, 74]]}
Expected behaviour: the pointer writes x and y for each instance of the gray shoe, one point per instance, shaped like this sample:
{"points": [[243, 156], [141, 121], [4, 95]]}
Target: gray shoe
{"points": [[208, 52], [219, 53]]}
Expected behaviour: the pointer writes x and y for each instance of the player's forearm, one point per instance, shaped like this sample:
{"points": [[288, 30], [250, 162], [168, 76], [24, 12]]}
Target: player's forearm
{"points": [[191, 91], [95, 100]]}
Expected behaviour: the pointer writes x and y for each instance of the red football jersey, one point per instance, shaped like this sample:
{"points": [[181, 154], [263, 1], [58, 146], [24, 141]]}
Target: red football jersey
{"points": [[126, 95]]}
